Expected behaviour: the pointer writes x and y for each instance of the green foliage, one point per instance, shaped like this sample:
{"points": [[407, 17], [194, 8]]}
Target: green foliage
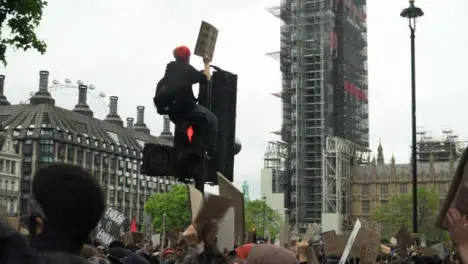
{"points": [[399, 210], [22, 18], [255, 212], [175, 204]]}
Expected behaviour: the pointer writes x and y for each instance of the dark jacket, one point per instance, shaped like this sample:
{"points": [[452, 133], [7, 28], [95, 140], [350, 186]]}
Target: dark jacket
{"points": [[15, 249], [178, 80], [211, 255]]}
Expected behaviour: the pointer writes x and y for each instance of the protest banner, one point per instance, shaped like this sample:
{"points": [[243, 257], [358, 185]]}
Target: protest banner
{"points": [[110, 227]]}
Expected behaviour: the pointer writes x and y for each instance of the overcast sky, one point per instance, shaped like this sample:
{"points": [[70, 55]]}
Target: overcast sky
{"points": [[122, 47]]}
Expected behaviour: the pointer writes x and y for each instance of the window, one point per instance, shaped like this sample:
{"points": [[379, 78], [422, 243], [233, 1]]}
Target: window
{"points": [[365, 190], [89, 159], [443, 188], [384, 189], [403, 188], [383, 202], [61, 152], [365, 207], [13, 167], [71, 154], [79, 157]]}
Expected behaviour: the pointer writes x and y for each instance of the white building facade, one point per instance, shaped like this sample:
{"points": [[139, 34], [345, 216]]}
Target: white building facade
{"points": [[10, 176]]}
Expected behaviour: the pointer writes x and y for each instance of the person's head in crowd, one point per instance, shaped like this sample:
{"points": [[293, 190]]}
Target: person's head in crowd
{"points": [[88, 251], [208, 232], [65, 205], [116, 244], [270, 254], [131, 258], [169, 254], [98, 260]]}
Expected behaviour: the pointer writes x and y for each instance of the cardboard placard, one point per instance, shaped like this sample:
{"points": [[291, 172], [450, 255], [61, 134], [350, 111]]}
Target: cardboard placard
{"points": [[227, 189], [206, 41], [457, 196], [110, 227], [336, 245], [349, 244]]}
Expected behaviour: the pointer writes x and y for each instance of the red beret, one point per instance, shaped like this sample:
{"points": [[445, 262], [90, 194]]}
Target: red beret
{"points": [[182, 52]]}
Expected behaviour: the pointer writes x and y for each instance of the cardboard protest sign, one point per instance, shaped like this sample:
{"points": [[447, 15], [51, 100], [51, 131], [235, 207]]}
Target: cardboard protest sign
{"points": [[213, 207], [206, 41], [195, 201], [369, 246], [227, 189], [404, 239], [110, 227], [457, 196], [327, 236], [226, 234], [336, 245], [349, 244]]}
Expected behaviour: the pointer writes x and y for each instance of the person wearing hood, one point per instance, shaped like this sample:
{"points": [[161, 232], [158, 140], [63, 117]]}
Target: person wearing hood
{"points": [[65, 205]]}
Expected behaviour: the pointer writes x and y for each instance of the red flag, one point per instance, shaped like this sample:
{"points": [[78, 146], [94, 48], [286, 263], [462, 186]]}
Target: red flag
{"points": [[133, 226]]}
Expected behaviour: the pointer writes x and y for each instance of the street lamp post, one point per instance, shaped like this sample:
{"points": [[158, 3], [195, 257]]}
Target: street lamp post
{"points": [[412, 13], [264, 215]]}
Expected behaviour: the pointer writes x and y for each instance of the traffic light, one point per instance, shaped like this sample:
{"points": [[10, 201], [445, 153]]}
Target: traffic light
{"points": [[222, 101], [157, 160]]}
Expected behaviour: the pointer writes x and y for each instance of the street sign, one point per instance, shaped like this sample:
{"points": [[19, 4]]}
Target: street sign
{"points": [[206, 41]]}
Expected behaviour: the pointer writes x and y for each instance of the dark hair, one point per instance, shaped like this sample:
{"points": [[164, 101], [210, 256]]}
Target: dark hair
{"points": [[71, 198], [116, 244]]}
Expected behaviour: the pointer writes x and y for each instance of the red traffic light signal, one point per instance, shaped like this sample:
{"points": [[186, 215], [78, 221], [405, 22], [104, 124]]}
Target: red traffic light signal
{"points": [[190, 134]]}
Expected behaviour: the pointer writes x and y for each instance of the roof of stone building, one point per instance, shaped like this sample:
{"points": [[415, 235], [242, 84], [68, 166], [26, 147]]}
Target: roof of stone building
{"points": [[28, 120], [35, 117]]}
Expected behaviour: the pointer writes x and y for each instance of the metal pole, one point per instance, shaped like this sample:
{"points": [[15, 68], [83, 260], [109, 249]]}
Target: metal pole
{"points": [[413, 121], [264, 216]]}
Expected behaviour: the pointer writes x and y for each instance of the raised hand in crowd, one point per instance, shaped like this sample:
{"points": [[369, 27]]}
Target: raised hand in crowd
{"points": [[458, 228]]}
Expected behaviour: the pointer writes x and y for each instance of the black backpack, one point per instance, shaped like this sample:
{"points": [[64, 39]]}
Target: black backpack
{"points": [[170, 100], [164, 98]]}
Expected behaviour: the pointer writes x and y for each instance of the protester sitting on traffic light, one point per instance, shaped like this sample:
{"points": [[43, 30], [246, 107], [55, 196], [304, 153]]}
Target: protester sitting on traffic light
{"points": [[174, 97]]}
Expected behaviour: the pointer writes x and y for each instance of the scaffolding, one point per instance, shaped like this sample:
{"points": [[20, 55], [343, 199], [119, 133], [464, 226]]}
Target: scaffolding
{"points": [[339, 157], [324, 91], [275, 159], [448, 148]]}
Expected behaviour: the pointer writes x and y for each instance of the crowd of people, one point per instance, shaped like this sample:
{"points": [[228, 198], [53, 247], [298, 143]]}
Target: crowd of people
{"points": [[67, 202]]}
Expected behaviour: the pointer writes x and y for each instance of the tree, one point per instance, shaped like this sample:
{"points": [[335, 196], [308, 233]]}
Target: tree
{"points": [[255, 213], [22, 18], [398, 213], [175, 204]]}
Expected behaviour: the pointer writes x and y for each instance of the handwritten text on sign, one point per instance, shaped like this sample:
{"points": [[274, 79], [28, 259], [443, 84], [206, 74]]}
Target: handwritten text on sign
{"points": [[110, 226]]}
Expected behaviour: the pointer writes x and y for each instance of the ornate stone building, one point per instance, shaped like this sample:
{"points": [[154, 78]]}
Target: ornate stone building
{"points": [[375, 183]]}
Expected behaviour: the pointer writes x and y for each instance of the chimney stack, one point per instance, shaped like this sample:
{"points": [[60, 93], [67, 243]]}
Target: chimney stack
{"points": [[82, 107], [140, 123], [113, 116], [166, 133], [3, 99], [43, 96], [130, 122]]}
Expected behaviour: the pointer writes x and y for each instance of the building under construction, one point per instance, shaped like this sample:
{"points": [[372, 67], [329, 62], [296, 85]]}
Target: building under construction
{"points": [[323, 60], [275, 159], [438, 150]]}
